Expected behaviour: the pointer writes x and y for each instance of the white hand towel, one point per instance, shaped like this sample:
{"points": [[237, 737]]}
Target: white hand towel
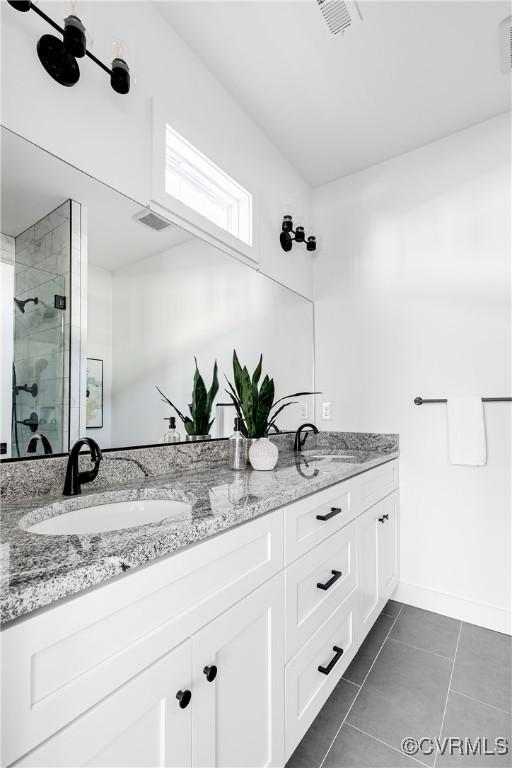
{"points": [[466, 431]]}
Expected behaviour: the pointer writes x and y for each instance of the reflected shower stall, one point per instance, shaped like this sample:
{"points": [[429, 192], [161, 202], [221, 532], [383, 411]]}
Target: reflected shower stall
{"points": [[41, 329]]}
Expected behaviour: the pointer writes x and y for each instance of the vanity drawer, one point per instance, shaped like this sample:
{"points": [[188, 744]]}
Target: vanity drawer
{"points": [[310, 521], [377, 483], [307, 688], [332, 564], [59, 663]]}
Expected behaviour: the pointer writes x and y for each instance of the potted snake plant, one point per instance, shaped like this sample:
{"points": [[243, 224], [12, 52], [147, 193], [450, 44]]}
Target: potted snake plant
{"points": [[255, 406], [198, 424]]}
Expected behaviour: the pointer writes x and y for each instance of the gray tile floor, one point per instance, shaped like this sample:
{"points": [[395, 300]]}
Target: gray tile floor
{"points": [[417, 674]]}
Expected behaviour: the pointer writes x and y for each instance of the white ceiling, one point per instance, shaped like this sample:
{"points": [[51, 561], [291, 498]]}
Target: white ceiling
{"points": [[34, 182], [411, 73]]}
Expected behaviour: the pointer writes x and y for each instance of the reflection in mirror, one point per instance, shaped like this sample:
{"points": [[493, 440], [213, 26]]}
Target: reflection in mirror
{"points": [[102, 303]]}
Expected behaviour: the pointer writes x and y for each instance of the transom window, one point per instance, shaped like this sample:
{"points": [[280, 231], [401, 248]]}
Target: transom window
{"points": [[197, 182]]}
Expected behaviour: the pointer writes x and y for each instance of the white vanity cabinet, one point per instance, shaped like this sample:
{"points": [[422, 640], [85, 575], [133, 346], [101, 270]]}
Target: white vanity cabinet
{"points": [[377, 532], [251, 630], [139, 725], [217, 699], [237, 716]]}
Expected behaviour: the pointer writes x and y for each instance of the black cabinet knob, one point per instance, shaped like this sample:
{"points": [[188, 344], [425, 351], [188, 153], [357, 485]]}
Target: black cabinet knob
{"points": [[210, 673], [184, 698]]}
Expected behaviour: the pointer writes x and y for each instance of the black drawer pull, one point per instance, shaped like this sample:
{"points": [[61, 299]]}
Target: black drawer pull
{"points": [[334, 511], [210, 673], [335, 576], [383, 518], [184, 698], [337, 656]]}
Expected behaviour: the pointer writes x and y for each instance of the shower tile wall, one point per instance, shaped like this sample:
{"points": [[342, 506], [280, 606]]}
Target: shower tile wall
{"points": [[41, 333]]}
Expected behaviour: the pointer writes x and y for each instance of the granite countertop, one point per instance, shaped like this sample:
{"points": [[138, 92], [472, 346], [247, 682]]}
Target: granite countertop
{"points": [[38, 570]]}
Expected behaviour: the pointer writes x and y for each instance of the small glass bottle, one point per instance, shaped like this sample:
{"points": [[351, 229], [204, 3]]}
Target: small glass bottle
{"points": [[172, 435], [238, 448]]}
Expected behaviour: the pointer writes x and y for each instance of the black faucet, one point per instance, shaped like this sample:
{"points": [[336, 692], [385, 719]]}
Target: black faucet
{"points": [[31, 447], [299, 441], [75, 478]]}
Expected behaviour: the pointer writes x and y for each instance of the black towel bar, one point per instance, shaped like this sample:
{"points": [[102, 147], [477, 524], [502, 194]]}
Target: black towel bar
{"points": [[422, 400]]}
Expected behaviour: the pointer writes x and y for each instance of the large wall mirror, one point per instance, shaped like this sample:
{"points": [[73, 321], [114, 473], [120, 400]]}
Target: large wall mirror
{"points": [[102, 303]]}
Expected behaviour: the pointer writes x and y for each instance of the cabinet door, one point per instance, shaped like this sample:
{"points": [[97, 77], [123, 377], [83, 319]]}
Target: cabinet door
{"points": [[140, 724], [238, 717], [367, 543], [388, 545]]}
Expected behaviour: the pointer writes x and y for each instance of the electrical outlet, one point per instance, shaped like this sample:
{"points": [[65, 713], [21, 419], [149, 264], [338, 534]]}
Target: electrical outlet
{"points": [[326, 411], [304, 411]]}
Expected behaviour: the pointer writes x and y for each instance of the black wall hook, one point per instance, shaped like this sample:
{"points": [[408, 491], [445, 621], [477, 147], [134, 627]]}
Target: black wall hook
{"points": [[288, 235]]}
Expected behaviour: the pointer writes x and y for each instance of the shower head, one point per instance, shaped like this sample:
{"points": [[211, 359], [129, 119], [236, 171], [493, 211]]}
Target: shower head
{"points": [[20, 303]]}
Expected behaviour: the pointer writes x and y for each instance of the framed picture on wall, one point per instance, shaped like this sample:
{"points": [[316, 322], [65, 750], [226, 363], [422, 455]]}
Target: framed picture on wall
{"points": [[94, 393]]}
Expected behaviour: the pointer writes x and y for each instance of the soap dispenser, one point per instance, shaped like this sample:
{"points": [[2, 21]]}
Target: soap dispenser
{"points": [[238, 447], [172, 435]]}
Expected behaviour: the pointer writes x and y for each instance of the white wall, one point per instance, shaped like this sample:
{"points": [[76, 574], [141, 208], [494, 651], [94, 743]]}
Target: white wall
{"points": [[412, 298], [109, 136], [99, 340]]}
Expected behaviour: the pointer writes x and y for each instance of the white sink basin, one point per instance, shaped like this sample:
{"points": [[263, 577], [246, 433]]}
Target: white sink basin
{"points": [[112, 517]]}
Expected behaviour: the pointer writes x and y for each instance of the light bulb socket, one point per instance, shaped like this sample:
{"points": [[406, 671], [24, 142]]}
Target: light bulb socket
{"points": [[299, 234], [287, 225], [120, 76], [74, 36], [311, 243]]}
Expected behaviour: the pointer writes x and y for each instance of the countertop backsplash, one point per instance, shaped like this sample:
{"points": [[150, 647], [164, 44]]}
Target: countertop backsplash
{"points": [[45, 477]]}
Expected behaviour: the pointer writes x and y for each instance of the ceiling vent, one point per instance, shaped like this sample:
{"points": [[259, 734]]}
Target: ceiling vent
{"points": [[151, 220], [340, 15], [506, 45]]}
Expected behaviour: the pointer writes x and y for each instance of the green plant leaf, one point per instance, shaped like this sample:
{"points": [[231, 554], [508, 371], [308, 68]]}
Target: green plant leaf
{"points": [[166, 400], [253, 402], [212, 394], [233, 393], [266, 398], [295, 394], [237, 373], [276, 414], [247, 401], [257, 373], [236, 403], [190, 427], [202, 402], [198, 404]]}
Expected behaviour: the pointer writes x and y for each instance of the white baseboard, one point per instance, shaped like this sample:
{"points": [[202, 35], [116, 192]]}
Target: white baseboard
{"points": [[482, 614]]}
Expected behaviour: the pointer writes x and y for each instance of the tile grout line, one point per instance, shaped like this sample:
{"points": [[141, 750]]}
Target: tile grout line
{"points": [[478, 701], [375, 738], [417, 648], [448, 693], [360, 689]]}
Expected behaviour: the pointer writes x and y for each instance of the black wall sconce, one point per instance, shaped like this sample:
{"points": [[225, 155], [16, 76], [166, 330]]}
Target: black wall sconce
{"points": [[59, 57], [289, 234]]}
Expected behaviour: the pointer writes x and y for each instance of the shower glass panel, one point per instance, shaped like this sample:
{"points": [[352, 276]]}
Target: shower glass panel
{"points": [[40, 395]]}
